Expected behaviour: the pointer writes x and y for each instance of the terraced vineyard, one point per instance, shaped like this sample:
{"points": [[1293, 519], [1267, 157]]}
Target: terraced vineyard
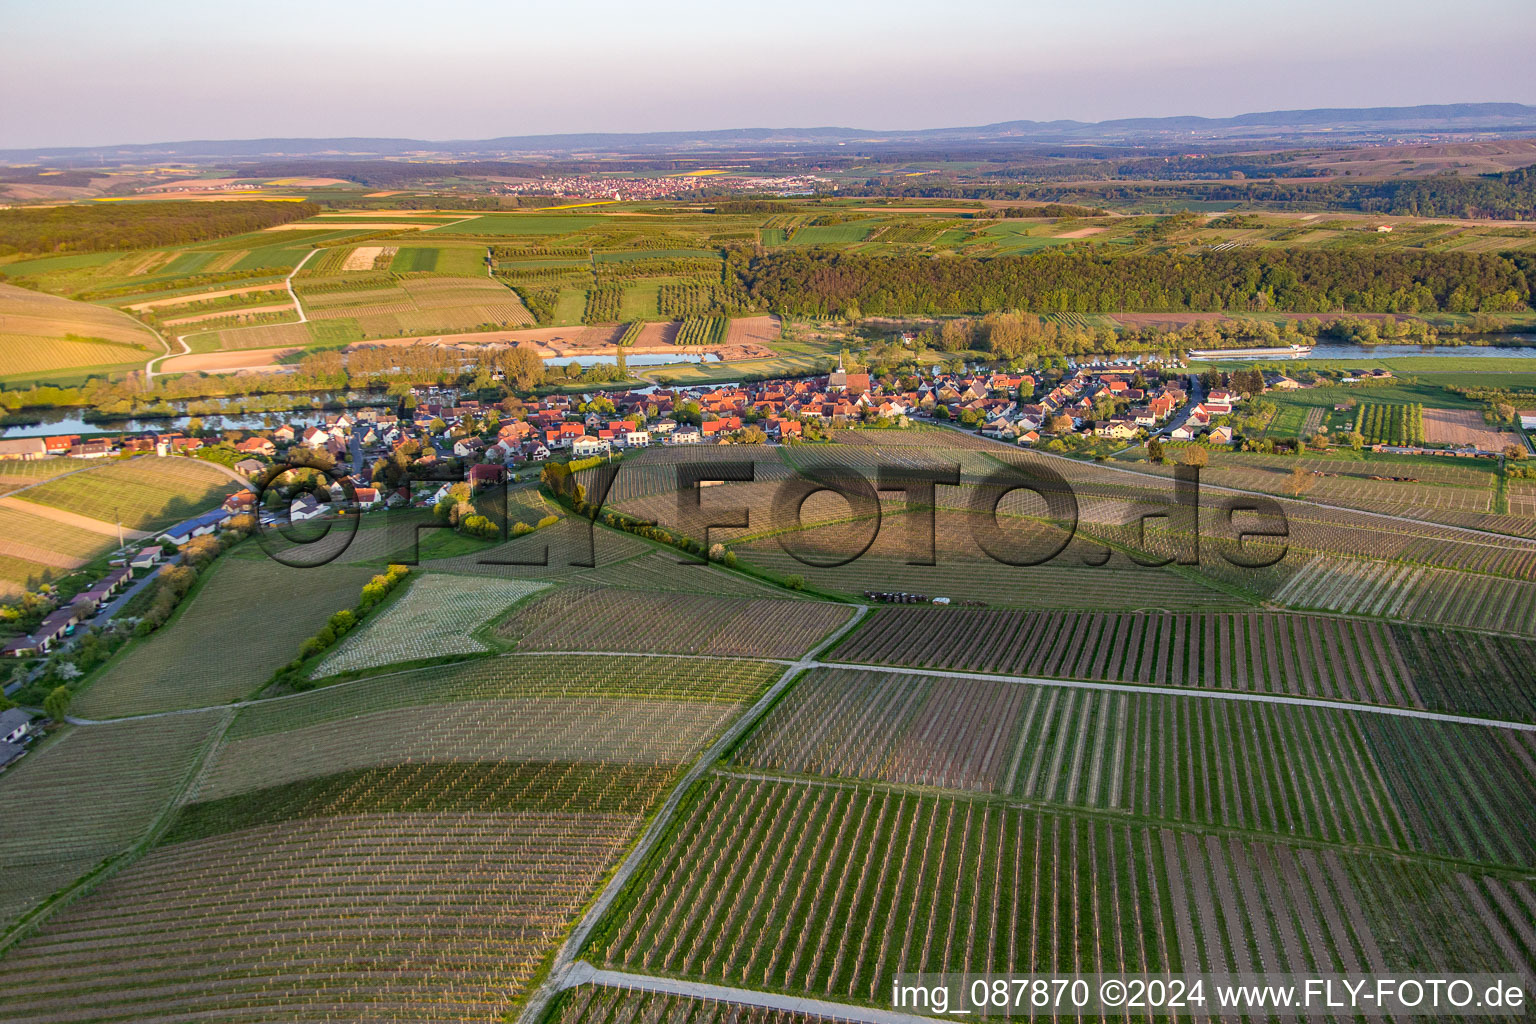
{"points": [[583, 618], [832, 889]]}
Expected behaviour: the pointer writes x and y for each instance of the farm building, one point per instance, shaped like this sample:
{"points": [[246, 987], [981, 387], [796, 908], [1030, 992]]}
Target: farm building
{"points": [[198, 526], [24, 448], [146, 557]]}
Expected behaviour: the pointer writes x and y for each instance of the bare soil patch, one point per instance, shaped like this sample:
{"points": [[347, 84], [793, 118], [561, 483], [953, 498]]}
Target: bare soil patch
{"points": [[264, 359], [1464, 427], [106, 529], [310, 225], [1079, 232]]}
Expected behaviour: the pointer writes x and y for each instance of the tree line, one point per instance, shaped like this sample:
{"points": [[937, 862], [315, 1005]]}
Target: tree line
{"points": [[1510, 195], [826, 283], [109, 227]]}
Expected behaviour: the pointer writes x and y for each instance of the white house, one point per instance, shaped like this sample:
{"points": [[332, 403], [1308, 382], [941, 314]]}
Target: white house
{"points": [[304, 508], [14, 725]]}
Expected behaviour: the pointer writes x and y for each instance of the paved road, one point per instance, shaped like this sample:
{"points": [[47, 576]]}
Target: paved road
{"points": [[566, 957], [582, 973]]}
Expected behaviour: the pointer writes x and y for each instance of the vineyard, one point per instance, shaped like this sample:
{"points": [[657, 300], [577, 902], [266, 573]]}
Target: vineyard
{"points": [[1333, 775], [143, 493], [349, 918], [386, 306], [1393, 424], [1399, 590], [832, 889], [703, 330], [168, 670], [585, 618], [90, 794], [433, 619], [1261, 652], [591, 1004]]}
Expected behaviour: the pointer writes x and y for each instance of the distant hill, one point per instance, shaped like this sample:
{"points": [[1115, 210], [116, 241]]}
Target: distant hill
{"points": [[1339, 124]]}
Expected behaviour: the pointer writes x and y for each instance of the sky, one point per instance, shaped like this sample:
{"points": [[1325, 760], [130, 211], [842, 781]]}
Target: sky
{"points": [[90, 72]]}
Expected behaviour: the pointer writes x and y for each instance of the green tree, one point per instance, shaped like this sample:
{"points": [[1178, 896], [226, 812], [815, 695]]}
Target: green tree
{"points": [[56, 704]]}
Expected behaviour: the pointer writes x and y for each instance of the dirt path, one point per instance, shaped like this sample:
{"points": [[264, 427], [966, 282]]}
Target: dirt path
{"points": [[74, 519], [149, 367]]}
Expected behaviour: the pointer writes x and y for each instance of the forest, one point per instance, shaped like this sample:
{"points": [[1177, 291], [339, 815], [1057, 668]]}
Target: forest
{"points": [[821, 283], [109, 227], [1507, 196]]}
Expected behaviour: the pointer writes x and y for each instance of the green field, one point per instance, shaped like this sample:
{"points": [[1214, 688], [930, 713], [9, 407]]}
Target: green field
{"points": [[168, 670], [92, 793], [146, 493], [523, 224]]}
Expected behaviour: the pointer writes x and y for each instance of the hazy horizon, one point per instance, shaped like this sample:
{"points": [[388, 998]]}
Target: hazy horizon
{"points": [[467, 69]]}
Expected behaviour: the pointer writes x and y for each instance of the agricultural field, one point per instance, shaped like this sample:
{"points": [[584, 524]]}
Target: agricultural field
{"points": [[45, 337], [385, 307], [584, 618], [29, 533], [170, 670], [347, 916], [830, 889], [502, 710], [1258, 652], [595, 1004], [16, 474], [1412, 593], [145, 493], [1461, 427], [435, 618], [91, 794], [1334, 775]]}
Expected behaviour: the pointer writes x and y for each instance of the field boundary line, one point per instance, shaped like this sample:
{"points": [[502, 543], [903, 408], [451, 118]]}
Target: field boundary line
{"points": [[1184, 691], [255, 701], [1489, 535], [565, 956], [582, 973]]}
